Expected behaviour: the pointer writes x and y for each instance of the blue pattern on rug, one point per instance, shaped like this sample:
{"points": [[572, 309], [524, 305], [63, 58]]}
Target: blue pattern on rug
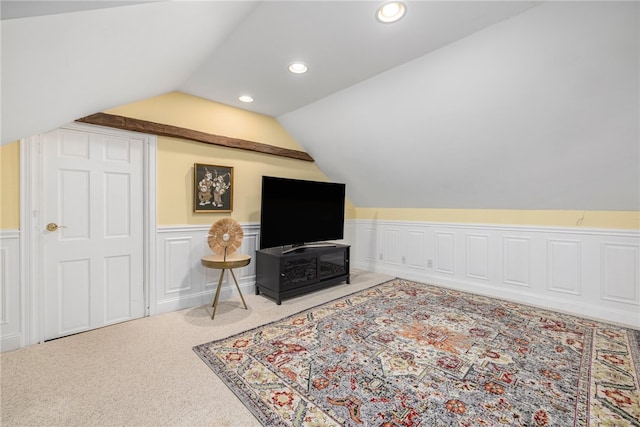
{"points": [[411, 354]]}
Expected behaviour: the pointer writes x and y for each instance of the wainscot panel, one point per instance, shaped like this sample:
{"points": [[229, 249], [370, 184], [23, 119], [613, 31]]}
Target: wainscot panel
{"points": [[587, 272], [10, 301], [182, 281]]}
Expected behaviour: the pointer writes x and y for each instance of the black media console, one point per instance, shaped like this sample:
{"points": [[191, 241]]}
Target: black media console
{"points": [[281, 275]]}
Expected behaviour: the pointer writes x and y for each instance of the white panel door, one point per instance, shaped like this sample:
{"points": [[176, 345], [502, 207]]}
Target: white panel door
{"points": [[93, 261]]}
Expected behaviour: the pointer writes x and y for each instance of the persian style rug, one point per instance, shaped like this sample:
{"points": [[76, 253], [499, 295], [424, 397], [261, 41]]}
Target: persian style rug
{"points": [[411, 354]]}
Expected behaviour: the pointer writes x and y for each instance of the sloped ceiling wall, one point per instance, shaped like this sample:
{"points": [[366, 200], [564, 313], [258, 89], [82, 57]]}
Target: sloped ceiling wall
{"points": [[62, 60], [540, 111], [61, 67]]}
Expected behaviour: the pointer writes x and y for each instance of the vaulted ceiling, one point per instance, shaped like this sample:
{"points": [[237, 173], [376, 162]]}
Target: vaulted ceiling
{"points": [[460, 104]]}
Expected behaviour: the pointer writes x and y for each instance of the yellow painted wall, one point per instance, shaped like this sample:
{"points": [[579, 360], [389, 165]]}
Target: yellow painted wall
{"points": [[10, 186], [192, 112], [551, 218], [176, 157]]}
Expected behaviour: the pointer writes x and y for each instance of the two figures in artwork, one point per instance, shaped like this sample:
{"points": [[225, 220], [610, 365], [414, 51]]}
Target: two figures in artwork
{"points": [[213, 186]]}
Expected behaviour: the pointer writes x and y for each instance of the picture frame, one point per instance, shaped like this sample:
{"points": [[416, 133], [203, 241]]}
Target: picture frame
{"points": [[212, 188]]}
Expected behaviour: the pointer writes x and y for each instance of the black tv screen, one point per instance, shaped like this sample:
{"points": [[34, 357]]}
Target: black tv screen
{"points": [[297, 212]]}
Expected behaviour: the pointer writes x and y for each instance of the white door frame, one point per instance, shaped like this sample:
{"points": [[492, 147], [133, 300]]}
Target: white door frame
{"points": [[32, 231]]}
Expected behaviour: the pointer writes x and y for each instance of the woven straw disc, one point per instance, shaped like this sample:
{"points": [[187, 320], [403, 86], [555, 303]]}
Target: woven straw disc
{"points": [[225, 233]]}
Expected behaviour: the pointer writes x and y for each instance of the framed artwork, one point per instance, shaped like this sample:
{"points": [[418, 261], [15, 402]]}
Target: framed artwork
{"points": [[212, 188]]}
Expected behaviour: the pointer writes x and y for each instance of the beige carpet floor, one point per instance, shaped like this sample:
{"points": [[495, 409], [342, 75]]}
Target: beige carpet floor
{"points": [[142, 372]]}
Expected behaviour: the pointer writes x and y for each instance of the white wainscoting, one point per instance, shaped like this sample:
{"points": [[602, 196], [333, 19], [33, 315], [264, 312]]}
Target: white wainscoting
{"points": [[10, 302], [183, 282], [588, 272]]}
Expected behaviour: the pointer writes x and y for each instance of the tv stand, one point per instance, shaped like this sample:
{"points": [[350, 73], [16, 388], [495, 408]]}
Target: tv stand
{"points": [[308, 245], [287, 273]]}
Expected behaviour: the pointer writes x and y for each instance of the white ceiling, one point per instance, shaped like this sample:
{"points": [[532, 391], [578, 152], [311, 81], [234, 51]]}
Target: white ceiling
{"points": [[341, 42], [11, 9], [471, 104], [213, 49]]}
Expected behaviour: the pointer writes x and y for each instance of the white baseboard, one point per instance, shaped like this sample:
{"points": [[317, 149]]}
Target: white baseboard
{"points": [[622, 318], [593, 273], [10, 342], [203, 298]]}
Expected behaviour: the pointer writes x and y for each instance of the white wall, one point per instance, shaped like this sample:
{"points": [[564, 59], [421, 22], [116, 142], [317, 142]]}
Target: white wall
{"points": [[540, 111], [183, 282], [587, 272]]}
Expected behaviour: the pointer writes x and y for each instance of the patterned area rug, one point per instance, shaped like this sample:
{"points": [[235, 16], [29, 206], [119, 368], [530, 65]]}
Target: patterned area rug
{"points": [[410, 354]]}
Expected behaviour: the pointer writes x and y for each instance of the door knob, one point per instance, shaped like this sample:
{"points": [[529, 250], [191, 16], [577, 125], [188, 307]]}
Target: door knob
{"points": [[52, 226]]}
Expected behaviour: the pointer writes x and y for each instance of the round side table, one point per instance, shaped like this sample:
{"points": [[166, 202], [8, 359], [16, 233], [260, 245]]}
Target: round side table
{"points": [[220, 263]]}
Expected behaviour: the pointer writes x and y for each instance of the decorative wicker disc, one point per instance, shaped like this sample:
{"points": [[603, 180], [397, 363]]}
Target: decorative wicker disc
{"points": [[225, 234]]}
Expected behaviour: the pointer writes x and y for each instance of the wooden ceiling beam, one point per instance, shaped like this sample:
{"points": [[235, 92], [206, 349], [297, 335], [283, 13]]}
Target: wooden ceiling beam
{"points": [[144, 126]]}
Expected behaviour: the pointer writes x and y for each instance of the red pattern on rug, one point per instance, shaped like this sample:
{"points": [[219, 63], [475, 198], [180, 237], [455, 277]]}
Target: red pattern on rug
{"points": [[411, 354]]}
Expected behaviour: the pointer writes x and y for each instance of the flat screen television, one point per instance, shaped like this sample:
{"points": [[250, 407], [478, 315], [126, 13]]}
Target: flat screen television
{"points": [[298, 213]]}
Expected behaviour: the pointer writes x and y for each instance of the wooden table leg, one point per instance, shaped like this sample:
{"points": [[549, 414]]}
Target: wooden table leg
{"points": [[215, 300], [239, 291]]}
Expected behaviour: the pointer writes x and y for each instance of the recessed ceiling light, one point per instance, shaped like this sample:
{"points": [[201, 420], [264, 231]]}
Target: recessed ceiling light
{"points": [[391, 12], [298, 68], [245, 98]]}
